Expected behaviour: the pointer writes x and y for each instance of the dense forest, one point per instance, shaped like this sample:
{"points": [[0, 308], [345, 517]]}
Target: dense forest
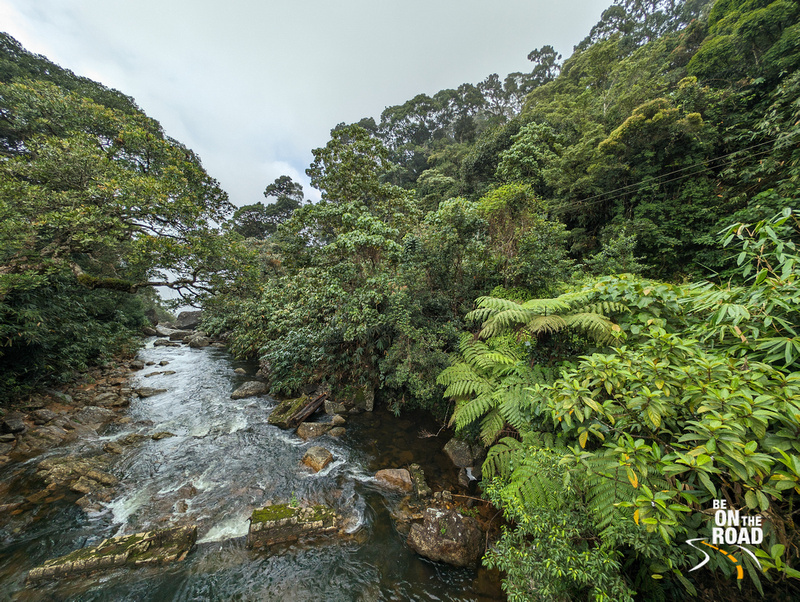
{"points": [[590, 267]]}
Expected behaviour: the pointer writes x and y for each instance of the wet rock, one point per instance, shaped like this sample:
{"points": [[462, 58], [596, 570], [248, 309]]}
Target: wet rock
{"points": [[447, 536], [250, 389], [281, 414], [8, 438], [149, 332], [110, 400], [84, 485], [181, 506], [137, 365], [156, 373], [198, 342], [141, 549], [462, 454], [148, 391], [240, 371], [42, 416], [163, 363], [161, 435], [337, 431], [39, 439], [317, 458], [398, 479], [338, 420], [188, 320], [113, 448], [94, 416], [334, 407], [165, 343], [179, 335], [163, 330], [310, 430], [12, 423], [282, 523], [421, 489]]}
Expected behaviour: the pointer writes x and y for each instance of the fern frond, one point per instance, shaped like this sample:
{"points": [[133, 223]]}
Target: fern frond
{"points": [[491, 426], [468, 412]]}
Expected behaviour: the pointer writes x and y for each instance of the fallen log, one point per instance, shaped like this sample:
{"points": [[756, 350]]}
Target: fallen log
{"points": [[307, 410]]}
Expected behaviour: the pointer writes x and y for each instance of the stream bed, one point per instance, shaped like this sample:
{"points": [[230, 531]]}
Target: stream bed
{"points": [[223, 461]]}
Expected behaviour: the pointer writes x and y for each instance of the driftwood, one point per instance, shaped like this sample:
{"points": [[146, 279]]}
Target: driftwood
{"points": [[306, 411]]}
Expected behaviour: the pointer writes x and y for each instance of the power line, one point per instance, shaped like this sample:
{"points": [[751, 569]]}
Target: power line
{"points": [[656, 179]]}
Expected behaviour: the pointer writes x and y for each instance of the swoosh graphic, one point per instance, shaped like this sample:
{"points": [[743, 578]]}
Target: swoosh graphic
{"points": [[707, 557]]}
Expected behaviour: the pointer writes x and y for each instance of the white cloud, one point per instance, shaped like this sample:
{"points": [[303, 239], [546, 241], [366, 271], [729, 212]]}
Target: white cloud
{"points": [[253, 85]]}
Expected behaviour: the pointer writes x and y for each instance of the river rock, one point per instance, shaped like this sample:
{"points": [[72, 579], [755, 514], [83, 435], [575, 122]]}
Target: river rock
{"points": [[250, 389], [179, 335], [94, 417], [337, 431], [317, 458], [188, 320], [39, 439], [12, 423], [148, 391], [149, 332], [161, 435], [137, 365], [335, 407], [165, 343], [42, 416], [281, 523], [240, 371], [310, 430], [110, 400], [141, 549], [447, 536], [394, 478], [281, 414], [338, 420], [462, 454], [198, 342], [421, 489], [163, 331]]}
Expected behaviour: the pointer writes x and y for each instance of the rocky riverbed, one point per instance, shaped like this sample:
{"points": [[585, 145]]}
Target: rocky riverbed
{"points": [[157, 443]]}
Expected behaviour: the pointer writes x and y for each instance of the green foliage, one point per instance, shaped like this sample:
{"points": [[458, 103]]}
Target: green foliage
{"points": [[553, 552], [96, 203]]}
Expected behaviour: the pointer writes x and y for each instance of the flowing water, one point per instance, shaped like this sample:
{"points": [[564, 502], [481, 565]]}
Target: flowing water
{"points": [[224, 461]]}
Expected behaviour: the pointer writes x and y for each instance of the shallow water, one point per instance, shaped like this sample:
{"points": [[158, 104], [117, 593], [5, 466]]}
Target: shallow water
{"points": [[224, 461]]}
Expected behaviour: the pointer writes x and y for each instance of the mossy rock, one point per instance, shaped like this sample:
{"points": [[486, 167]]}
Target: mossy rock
{"points": [[140, 549], [281, 523], [285, 410]]}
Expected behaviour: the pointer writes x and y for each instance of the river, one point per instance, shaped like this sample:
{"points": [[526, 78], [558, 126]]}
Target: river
{"points": [[224, 461]]}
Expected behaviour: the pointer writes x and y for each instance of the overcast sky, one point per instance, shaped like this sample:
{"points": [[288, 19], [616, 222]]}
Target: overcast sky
{"points": [[253, 85]]}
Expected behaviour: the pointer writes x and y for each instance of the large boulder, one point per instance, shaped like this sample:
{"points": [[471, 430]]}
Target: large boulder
{"points": [[462, 454], [317, 458], [447, 536], [198, 341], [250, 389], [283, 523], [188, 320], [395, 478], [140, 549]]}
